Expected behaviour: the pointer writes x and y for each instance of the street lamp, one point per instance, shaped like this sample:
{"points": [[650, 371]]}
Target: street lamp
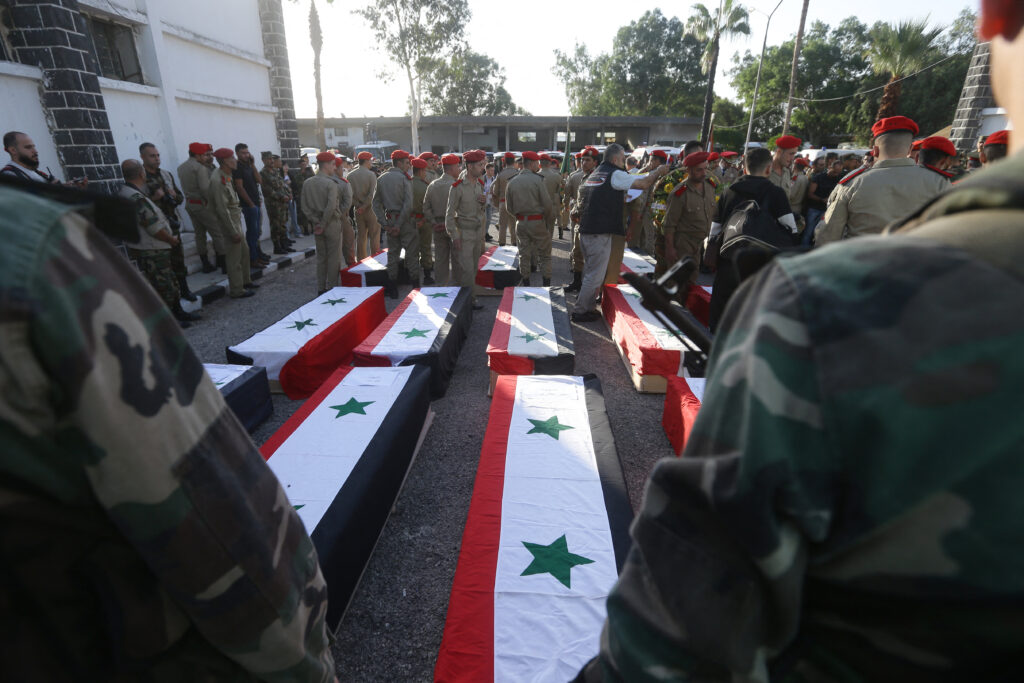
{"points": [[757, 81]]}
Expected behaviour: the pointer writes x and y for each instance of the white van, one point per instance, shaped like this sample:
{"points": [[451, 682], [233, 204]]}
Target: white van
{"points": [[381, 150]]}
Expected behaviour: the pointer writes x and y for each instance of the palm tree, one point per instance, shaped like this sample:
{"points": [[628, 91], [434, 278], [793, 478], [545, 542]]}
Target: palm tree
{"points": [[900, 50], [316, 40], [710, 27]]}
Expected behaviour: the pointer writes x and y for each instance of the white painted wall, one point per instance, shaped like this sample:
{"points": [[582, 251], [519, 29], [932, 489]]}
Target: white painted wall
{"points": [[200, 69], [23, 110], [235, 22], [134, 119]]}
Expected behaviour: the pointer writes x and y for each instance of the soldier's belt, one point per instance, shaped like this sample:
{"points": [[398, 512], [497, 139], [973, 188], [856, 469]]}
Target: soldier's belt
{"points": [[200, 202], [392, 214], [529, 217], [417, 215]]}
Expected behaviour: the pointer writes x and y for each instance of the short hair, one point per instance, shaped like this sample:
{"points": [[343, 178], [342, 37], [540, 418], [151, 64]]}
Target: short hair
{"points": [[11, 138], [992, 152], [146, 145], [131, 169], [490, 164], [613, 150], [895, 144], [629, 159], [931, 157], [834, 162], [757, 160], [240, 146], [691, 147]]}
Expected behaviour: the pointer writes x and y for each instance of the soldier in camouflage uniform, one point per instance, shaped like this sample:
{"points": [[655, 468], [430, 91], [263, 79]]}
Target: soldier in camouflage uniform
{"points": [[143, 536], [848, 505], [420, 183], [276, 195], [161, 188]]}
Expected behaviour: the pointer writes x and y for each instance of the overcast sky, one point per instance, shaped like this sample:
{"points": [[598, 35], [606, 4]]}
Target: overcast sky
{"points": [[521, 37]]}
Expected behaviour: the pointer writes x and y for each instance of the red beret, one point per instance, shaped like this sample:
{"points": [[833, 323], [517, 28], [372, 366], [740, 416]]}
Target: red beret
{"points": [[729, 155], [545, 157], [340, 158], [801, 161], [325, 157], [788, 142], [364, 155], [1000, 137], [530, 156], [450, 160], [660, 153], [197, 147], [695, 159], [509, 156], [944, 145], [399, 154], [892, 124], [474, 155], [224, 153], [590, 152], [917, 145], [713, 156], [426, 156], [419, 163]]}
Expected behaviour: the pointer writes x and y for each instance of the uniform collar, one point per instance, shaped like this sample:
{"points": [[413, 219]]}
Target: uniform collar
{"points": [[891, 163]]}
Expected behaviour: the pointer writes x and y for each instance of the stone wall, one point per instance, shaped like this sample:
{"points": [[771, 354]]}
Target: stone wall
{"points": [[975, 96], [275, 49]]}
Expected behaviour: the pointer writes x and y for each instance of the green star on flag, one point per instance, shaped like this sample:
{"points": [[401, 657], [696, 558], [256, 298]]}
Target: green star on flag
{"points": [[529, 297], [554, 559], [299, 506], [299, 324], [529, 336], [438, 295], [334, 301], [550, 426], [414, 333], [632, 294], [352, 406]]}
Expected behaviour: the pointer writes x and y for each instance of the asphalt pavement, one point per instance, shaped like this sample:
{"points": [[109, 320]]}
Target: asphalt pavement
{"points": [[394, 623]]}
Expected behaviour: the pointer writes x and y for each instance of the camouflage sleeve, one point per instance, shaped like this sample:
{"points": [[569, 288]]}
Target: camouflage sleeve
{"points": [[147, 218], [713, 584], [145, 428]]}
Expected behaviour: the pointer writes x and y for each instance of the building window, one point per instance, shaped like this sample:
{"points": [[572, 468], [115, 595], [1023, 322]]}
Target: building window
{"points": [[114, 49], [527, 136], [561, 136], [6, 24]]}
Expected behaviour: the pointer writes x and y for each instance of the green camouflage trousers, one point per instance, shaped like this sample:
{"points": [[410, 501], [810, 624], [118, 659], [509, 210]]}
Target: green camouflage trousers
{"points": [[277, 214], [155, 265], [178, 257]]}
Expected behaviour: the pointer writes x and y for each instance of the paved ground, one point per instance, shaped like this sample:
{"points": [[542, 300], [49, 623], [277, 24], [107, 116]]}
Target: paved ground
{"points": [[392, 630]]}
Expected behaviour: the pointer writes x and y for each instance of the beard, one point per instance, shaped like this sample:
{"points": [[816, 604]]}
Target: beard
{"points": [[31, 162]]}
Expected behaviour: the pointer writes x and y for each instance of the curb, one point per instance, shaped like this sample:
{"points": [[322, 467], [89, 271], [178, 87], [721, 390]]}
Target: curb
{"points": [[219, 290]]}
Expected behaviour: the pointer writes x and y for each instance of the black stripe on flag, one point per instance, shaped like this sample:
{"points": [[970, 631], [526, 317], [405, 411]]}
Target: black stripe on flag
{"points": [[235, 358], [565, 362], [444, 351], [248, 396]]}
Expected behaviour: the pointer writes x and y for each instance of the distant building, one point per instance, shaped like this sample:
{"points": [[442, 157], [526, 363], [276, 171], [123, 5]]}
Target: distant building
{"points": [[441, 134]]}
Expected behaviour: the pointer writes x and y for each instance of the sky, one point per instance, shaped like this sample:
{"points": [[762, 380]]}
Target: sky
{"points": [[522, 41]]}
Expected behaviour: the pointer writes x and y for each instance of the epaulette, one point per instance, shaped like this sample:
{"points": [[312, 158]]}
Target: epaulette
{"points": [[481, 181], [853, 175], [343, 179], [456, 183], [711, 179], [945, 174], [680, 190]]}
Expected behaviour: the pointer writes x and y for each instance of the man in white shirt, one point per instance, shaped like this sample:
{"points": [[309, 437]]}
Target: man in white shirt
{"points": [[24, 162]]}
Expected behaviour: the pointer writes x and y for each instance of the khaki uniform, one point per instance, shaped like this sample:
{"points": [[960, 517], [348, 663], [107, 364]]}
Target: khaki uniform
{"points": [[798, 193], [423, 227], [498, 200], [195, 183], [528, 201], [782, 180], [223, 203], [572, 189], [643, 221], [866, 201], [464, 218], [553, 183], [688, 215], [392, 202], [348, 236], [320, 204], [435, 203], [364, 182]]}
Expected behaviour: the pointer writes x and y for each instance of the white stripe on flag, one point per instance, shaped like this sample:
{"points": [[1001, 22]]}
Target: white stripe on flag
{"points": [[371, 263], [224, 374], [544, 630], [275, 346], [697, 387], [316, 460], [417, 327], [503, 258], [532, 328], [636, 263], [660, 332]]}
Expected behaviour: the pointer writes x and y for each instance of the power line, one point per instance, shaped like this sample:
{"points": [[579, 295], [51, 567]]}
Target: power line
{"points": [[881, 87]]}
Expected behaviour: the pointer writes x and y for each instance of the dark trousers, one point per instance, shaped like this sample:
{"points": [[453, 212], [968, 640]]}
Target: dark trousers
{"points": [[252, 217], [727, 280]]}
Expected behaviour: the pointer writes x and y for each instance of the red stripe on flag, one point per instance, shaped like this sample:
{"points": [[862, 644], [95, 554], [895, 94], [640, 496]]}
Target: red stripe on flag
{"points": [[698, 302], [350, 279], [300, 415], [362, 355], [467, 647], [644, 351], [680, 412], [498, 357], [623, 269], [485, 278]]}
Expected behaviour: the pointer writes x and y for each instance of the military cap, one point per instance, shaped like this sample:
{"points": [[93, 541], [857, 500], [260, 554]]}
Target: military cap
{"points": [[399, 154], [695, 159], [577, 155], [450, 160], [713, 156], [589, 151], [339, 158], [427, 156], [1000, 137], [324, 157], [530, 156], [917, 145], [787, 142], [893, 124], [729, 155], [419, 163], [545, 157], [224, 153], [364, 155], [474, 155], [801, 161], [660, 153], [509, 156], [944, 145], [197, 148], [266, 154]]}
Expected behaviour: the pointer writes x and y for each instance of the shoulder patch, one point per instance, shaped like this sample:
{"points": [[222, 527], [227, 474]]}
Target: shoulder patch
{"points": [[480, 180], [711, 179], [457, 182], [678, 192], [944, 174], [853, 175]]}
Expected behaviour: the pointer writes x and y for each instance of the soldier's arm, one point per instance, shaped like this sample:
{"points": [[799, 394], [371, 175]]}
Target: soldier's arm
{"points": [[715, 576], [344, 198], [450, 224], [833, 225], [331, 205], [378, 204], [406, 211], [218, 202], [545, 198]]}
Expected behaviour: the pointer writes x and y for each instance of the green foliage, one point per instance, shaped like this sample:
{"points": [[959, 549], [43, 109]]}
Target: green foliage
{"points": [[902, 48], [468, 84], [726, 21], [730, 124]]}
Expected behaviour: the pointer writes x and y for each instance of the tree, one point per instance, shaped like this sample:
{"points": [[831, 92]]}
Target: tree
{"points": [[469, 84], [412, 32], [900, 50], [725, 22], [316, 40], [730, 124]]}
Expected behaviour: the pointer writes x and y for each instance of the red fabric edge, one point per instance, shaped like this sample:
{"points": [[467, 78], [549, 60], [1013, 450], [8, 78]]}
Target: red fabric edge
{"points": [[681, 408], [350, 279], [316, 360], [300, 415], [485, 278], [644, 352], [498, 357], [623, 269], [362, 355], [698, 302], [467, 646]]}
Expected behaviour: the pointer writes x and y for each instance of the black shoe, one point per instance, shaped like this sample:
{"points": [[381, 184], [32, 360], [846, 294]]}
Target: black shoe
{"points": [[181, 315], [391, 290], [184, 324], [245, 294], [222, 264], [207, 266], [251, 285], [281, 251], [587, 317], [546, 281], [185, 292], [577, 282], [428, 276]]}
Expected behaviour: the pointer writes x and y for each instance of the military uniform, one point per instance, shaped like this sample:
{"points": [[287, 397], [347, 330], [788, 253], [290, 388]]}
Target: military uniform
{"points": [[688, 215], [152, 256], [528, 201], [498, 198], [643, 221], [464, 220], [144, 537], [572, 188], [435, 204], [195, 184], [321, 205], [842, 508], [276, 195], [168, 205], [554, 184], [364, 182], [348, 235], [867, 200], [423, 227], [225, 207], [392, 202]]}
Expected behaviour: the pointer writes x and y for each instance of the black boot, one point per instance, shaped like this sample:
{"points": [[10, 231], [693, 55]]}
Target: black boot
{"points": [[525, 282], [186, 293], [222, 264], [547, 281], [207, 266], [280, 248], [428, 276], [560, 231], [577, 282], [391, 289], [183, 316]]}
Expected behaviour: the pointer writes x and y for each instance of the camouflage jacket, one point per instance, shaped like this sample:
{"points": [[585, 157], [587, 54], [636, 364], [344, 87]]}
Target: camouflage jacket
{"points": [[143, 536], [275, 187], [171, 198], [848, 506]]}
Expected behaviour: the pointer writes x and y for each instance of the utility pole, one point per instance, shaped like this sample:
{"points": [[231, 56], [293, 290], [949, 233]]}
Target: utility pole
{"points": [[757, 82], [792, 73]]}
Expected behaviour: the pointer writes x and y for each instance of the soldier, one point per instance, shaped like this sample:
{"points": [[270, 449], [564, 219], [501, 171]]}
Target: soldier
{"points": [[348, 235], [689, 213], [320, 203], [798, 189], [498, 198], [936, 153], [464, 219], [435, 204], [276, 195], [995, 147], [392, 202], [588, 162], [781, 175], [425, 230], [195, 174], [144, 537], [364, 181], [24, 161], [226, 208], [866, 201], [554, 184], [433, 170], [152, 251], [529, 201], [640, 233], [163, 191]]}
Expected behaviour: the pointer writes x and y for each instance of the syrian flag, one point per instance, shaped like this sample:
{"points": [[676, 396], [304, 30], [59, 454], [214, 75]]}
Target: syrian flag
{"points": [[532, 333], [498, 268], [649, 345], [636, 261], [372, 271], [302, 349], [428, 328], [698, 302], [682, 403], [545, 539], [342, 458], [245, 389]]}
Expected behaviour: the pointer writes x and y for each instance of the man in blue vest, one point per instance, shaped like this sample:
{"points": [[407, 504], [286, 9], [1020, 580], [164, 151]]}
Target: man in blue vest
{"points": [[602, 218]]}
